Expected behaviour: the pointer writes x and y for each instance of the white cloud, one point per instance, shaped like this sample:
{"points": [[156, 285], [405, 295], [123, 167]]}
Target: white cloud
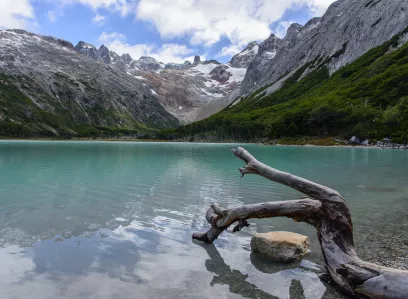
{"points": [[230, 50], [99, 19], [172, 53], [52, 16], [109, 38], [282, 27], [205, 22], [208, 21], [166, 53], [16, 14], [318, 7], [122, 6]]}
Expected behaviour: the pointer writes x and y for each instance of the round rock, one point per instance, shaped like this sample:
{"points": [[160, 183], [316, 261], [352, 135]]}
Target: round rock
{"points": [[280, 246]]}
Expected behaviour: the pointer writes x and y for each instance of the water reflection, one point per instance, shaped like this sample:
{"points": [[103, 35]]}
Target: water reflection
{"points": [[292, 275], [98, 220], [225, 275], [155, 261]]}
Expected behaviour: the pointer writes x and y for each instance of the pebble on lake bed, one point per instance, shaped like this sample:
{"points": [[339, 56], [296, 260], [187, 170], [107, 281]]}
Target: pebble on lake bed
{"points": [[280, 246]]}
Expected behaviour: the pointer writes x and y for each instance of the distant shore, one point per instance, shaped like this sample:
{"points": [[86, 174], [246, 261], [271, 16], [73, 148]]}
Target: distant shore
{"points": [[280, 143]]}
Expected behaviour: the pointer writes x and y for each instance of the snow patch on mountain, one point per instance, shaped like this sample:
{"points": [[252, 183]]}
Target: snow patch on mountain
{"points": [[238, 74], [346, 31], [247, 51], [201, 88], [205, 68]]}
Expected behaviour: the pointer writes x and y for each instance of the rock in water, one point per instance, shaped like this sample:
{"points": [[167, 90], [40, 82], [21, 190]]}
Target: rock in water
{"points": [[280, 246]]}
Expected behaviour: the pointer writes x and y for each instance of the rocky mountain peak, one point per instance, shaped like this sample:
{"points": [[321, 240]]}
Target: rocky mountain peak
{"points": [[347, 30], [212, 61], [251, 45], [294, 29], [127, 59], [244, 58], [87, 50], [197, 60], [178, 66], [62, 83], [147, 63], [269, 47], [293, 34], [83, 45], [104, 54]]}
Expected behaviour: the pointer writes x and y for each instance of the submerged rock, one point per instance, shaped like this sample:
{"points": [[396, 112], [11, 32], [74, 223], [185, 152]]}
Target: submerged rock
{"points": [[280, 246]]}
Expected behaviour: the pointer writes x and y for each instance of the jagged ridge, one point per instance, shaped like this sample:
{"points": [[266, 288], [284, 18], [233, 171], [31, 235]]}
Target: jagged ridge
{"points": [[56, 82], [367, 98], [189, 91], [346, 31]]}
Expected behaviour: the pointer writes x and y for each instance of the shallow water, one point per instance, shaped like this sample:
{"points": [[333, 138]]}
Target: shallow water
{"points": [[114, 220]]}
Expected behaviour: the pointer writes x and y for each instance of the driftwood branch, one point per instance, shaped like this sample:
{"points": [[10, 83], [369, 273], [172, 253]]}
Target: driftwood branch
{"points": [[327, 211]]}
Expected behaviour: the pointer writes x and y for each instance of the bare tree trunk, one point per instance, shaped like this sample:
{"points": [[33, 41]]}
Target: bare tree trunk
{"points": [[327, 211]]}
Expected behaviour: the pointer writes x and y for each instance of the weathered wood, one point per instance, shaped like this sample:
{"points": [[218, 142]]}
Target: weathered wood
{"points": [[325, 209]]}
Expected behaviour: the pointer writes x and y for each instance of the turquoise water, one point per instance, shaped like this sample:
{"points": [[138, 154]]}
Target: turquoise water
{"points": [[114, 220]]}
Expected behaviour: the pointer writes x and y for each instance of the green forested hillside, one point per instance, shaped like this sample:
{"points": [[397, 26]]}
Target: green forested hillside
{"points": [[20, 117], [367, 98]]}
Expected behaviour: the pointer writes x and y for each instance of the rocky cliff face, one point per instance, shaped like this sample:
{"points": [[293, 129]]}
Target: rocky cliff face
{"points": [[71, 87], [96, 86], [189, 91], [349, 29], [244, 59]]}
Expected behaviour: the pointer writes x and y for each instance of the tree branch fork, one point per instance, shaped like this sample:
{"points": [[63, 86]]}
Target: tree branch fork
{"points": [[328, 212]]}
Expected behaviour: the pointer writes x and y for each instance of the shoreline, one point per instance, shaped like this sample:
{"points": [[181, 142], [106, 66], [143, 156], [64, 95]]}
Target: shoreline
{"points": [[196, 142]]}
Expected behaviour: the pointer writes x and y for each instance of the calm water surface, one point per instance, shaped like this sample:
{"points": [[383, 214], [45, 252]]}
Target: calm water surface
{"points": [[114, 220]]}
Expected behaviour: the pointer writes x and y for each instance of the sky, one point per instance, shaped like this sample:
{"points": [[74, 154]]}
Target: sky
{"points": [[168, 30]]}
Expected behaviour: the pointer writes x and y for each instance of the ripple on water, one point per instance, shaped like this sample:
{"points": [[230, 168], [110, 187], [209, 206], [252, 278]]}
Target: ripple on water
{"points": [[102, 220]]}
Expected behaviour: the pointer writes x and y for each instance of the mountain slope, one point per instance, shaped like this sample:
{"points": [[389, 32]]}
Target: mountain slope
{"points": [[347, 30], [367, 98], [189, 91], [48, 88]]}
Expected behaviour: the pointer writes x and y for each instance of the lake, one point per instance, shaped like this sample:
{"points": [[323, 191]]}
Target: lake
{"points": [[115, 219]]}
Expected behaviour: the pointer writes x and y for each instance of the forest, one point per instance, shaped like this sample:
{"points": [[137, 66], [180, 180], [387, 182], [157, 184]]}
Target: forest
{"points": [[367, 98]]}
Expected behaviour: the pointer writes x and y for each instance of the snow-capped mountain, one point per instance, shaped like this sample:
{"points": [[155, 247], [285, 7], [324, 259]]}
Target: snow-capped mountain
{"points": [[72, 88], [243, 59], [96, 86], [189, 91], [346, 31]]}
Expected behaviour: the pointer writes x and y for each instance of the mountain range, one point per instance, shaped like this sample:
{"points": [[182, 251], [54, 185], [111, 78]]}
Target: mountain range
{"points": [[48, 87], [189, 91]]}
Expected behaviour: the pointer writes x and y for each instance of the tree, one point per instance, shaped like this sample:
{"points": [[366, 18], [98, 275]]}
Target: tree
{"points": [[327, 211], [324, 116], [391, 116]]}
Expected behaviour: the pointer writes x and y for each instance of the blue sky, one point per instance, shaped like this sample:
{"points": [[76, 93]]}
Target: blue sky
{"points": [[169, 30]]}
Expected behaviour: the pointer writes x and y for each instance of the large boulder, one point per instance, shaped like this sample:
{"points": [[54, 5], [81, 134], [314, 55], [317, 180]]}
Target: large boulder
{"points": [[365, 142], [354, 140], [280, 246]]}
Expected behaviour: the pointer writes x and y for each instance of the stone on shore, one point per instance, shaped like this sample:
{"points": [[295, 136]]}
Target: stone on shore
{"points": [[280, 246], [354, 140]]}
